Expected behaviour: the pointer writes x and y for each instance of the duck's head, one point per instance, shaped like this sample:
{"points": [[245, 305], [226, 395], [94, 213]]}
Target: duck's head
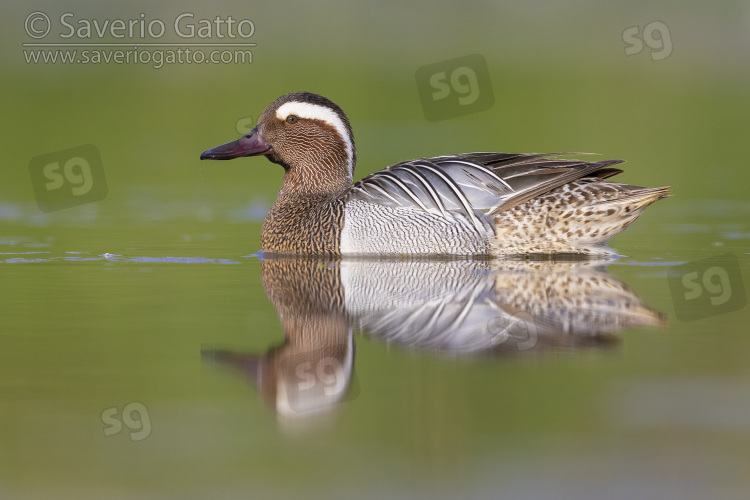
{"points": [[306, 134]]}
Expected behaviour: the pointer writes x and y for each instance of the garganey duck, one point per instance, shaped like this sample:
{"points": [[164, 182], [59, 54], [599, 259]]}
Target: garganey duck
{"points": [[464, 204]]}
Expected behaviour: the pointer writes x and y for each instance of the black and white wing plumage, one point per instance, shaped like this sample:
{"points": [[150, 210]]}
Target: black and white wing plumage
{"points": [[465, 183]]}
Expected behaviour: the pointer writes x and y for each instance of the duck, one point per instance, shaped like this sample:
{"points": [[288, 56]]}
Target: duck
{"points": [[473, 204]]}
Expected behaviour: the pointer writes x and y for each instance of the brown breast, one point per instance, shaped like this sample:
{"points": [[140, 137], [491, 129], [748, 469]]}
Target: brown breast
{"points": [[304, 224]]}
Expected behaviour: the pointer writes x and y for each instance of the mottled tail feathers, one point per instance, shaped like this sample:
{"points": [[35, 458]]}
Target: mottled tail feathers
{"points": [[578, 217]]}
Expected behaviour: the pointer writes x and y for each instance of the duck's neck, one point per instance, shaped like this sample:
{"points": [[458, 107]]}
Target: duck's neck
{"points": [[311, 182], [329, 175]]}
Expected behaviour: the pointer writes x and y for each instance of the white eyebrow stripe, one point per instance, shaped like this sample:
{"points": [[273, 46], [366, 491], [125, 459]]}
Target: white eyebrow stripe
{"points": [[324, 114]]}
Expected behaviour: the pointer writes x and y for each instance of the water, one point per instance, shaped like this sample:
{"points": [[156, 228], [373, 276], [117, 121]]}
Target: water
{"points": [[194, 368]]}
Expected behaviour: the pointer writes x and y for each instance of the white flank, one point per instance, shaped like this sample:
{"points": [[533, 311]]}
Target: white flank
{"points": [[317, 112]]}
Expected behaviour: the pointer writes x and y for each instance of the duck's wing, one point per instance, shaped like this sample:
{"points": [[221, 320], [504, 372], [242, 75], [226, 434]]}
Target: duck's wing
{"points": [[489, 182]]}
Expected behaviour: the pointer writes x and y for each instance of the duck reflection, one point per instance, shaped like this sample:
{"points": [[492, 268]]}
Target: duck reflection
{"points": [[448, 305]]}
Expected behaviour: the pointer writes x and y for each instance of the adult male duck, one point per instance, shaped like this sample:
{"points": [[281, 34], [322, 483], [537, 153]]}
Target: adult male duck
{"points": [[464, 204]]}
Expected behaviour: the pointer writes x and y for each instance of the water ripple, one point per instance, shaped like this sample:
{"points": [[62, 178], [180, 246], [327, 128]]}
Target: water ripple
{"points": [[108, 257]]}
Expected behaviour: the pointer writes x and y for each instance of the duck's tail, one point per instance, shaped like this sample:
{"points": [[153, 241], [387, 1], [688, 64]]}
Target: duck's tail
{"points": [[578, 217]]}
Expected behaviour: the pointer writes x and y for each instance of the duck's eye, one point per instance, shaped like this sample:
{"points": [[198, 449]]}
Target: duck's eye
{"points": [[292, 119]]}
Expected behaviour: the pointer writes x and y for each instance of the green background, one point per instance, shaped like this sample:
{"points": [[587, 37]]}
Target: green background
{"points": [[80, 336]]}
